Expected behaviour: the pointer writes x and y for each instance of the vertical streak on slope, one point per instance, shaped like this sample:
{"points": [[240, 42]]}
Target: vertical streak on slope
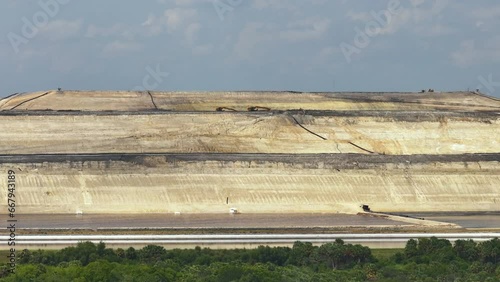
{"points": [[303, 127], [152, 100], [317, 135], [361, 148], [5, 100], [29, 100]]}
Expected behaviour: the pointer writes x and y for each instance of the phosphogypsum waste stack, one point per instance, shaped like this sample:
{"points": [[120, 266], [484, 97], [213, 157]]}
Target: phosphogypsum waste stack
{"points": [[257, 152]]}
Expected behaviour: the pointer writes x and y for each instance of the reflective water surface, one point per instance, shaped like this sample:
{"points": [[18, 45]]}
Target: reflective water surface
{"points": [[88, 221]]}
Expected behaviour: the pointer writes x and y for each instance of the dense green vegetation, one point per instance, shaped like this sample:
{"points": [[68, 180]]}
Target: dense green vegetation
{"points": [[423, 260]]}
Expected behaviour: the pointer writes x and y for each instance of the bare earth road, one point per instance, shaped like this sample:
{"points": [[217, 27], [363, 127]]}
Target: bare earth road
{"points": [[388, 240]]}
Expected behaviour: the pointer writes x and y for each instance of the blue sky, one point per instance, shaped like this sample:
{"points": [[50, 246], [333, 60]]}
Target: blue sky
{"points": [[315, 45]]}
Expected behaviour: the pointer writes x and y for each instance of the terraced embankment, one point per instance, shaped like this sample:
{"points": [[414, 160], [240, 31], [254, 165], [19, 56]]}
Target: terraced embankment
{"points": [[130, 152], [212, 132]]}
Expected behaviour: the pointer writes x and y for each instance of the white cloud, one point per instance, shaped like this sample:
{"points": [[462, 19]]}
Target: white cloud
{"points": [[257, 38], [192, 32], [329, 51], [205, 49], [66, 61], [116, 30], [296, 7], [183, 2], [486, 19], [274, 4], [173, 20], [471, 54], [252, 36], [416, 16], [467, 54], [436, 30], [178, 17], [117, 48], [486, 13], [61, 29], [153, 25], [359, 16], [306, 29]]}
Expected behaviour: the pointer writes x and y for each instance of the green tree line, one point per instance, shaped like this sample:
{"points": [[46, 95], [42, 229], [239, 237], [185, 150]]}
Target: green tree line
{"points": [[426, 259]]}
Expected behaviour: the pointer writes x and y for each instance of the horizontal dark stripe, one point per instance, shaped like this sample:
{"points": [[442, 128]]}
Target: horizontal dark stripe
{"points": [[355, 159], [407, 116]]}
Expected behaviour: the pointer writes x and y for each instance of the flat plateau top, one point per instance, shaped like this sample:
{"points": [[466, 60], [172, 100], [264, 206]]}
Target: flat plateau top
{"points": [[129, 101]]}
